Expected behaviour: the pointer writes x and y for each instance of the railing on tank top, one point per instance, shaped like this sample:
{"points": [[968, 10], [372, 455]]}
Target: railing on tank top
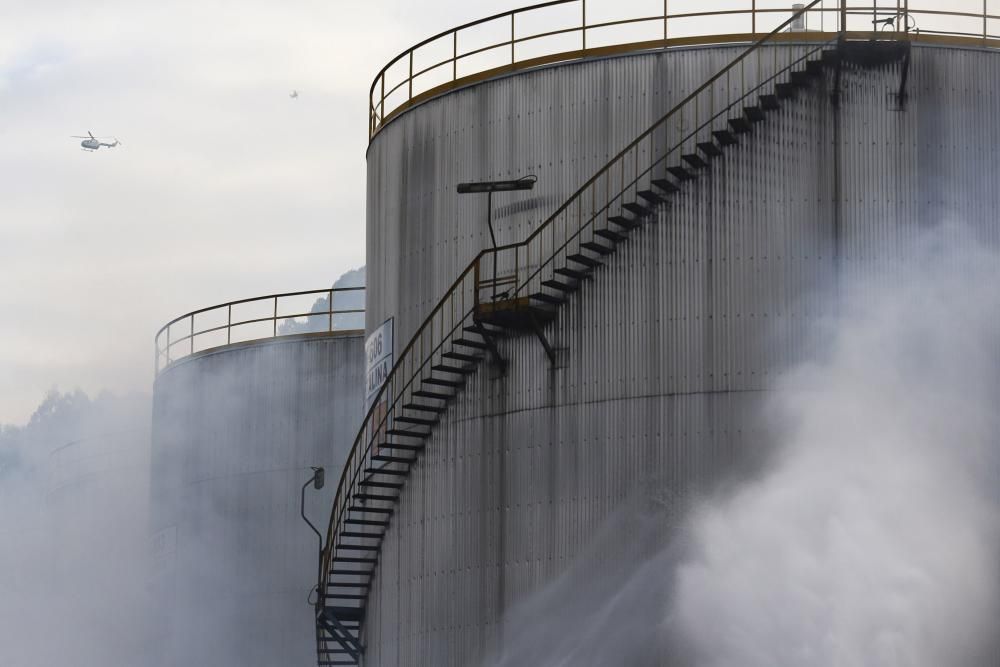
{"points": [[466, 295], [566, 30], [259, 318]]}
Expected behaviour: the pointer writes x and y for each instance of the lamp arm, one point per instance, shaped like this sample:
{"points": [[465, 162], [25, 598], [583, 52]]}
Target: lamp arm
{"points": [[302, 511]]}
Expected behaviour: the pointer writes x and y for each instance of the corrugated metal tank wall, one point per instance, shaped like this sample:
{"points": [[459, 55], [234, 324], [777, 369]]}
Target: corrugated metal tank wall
{"points": [[668, 356], [234, 435], [560, 123]]}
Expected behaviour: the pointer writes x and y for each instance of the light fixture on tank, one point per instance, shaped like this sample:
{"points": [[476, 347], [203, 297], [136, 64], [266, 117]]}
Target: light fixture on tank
{"points": [[489, 187], [525, 183]]}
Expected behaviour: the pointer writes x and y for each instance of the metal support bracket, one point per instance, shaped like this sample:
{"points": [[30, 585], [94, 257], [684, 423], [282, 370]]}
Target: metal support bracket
{"points": [[544, 341], [491, 344], [835, 96], [902, 95], [341, 635]]}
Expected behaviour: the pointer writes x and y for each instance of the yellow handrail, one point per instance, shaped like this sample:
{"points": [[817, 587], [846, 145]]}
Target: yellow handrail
{"points": [[421, 72]]}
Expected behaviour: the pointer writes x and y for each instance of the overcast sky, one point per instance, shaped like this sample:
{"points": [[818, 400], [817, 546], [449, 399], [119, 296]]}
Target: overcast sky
{"points": [[224, 187]]}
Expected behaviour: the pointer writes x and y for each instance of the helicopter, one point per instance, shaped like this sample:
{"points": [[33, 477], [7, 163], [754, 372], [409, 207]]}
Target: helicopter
{"points": [[92, 143]]}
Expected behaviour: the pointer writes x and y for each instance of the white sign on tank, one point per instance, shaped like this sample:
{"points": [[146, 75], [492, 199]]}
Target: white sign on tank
{"points": [[378, 360]]}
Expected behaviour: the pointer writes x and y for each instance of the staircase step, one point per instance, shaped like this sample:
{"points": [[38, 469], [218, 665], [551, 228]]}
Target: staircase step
{"points": [[695, 161], [424, 393], [396, 445], [375, 497], [349, 573], [461, 356], [770, 102], [454, 370], [636, 209], [393, 459], [375, 510], [479, 329], [358, 547], [573, 273], [740, 125], [345, 613], [784, 91], [651, 196], [380, 485], [442, 383], [352, 559], [599, 248], [725, 138], [682, 174], [351, 533], [548, 298], [387, 471], [710, 148], [831, 56], [584, 260], [350, 624], [407, 433], [419, 407], [800, 79], [561, 286], [367, 522], [754, 114], [622, 222], [614, 237], [666, 185], [415, 420], [814, 68], [465, 342]]}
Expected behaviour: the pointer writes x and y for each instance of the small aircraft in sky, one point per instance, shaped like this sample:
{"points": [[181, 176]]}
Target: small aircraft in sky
{"points": [[92, 143], [294, 94]]}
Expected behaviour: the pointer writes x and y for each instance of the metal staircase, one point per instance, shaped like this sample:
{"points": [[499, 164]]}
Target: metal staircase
{"points": [[521, 287]]}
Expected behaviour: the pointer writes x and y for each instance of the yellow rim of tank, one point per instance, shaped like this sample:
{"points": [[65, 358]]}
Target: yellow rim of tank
{"points": [[902, 21]]}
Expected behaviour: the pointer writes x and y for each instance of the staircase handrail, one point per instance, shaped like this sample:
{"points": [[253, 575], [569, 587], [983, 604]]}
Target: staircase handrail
{"points": [[699, 129]]}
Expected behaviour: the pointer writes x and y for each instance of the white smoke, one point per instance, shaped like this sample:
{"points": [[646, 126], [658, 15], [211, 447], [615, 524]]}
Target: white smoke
{"points": [[874, 538], [112, 554], [74, 484], [871, 536]]}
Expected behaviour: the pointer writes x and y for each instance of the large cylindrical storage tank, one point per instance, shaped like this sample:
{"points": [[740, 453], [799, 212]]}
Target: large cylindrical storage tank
{"points": [[651, 374], [237, 427]]}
